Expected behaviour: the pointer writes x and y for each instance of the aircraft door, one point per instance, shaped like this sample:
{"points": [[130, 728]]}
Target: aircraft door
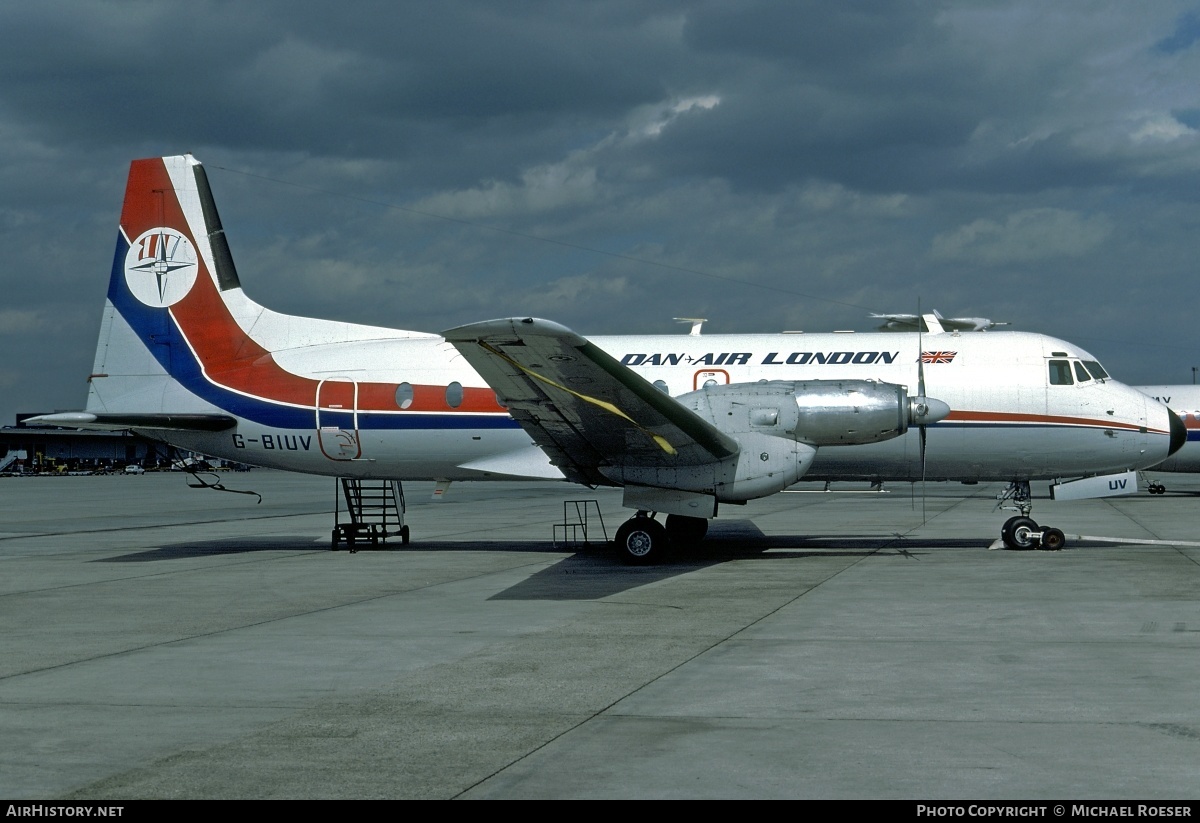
{"points": [[337, 419]]}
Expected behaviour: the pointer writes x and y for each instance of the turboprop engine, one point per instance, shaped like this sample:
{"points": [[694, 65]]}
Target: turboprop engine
{"points": [[816, 412], [779, 425]]}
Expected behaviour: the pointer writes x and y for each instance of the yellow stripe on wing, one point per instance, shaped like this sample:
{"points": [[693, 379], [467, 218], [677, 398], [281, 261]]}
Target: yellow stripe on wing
{"points": [[595, 401]]}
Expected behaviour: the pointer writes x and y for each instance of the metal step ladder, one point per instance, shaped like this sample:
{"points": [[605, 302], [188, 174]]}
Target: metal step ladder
{"points": [[577, 516], [375, 509]]}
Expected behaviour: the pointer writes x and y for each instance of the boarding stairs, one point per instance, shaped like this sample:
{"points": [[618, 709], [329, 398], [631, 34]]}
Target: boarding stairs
{"points": [[374, 511]]}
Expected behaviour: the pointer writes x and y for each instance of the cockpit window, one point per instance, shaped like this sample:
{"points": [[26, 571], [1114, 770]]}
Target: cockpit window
{"points": [[1081, 374], [1095, 369], [1060, 373]]}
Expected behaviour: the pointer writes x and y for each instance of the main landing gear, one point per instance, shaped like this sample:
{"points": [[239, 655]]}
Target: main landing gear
{"points": [[642, 540], [1022, 532]]}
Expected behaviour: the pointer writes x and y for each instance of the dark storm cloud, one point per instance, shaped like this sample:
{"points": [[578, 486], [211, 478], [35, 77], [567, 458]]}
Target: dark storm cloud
{"points": [[387, 79], [1185, 35], [807, 162]]}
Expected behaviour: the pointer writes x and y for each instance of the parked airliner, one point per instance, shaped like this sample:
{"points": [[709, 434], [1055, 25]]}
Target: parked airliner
{"points": [[1184, 400], [685, 424]]}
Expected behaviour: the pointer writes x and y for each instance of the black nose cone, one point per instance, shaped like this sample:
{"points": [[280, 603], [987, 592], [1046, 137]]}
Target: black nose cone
{"points": [[1178, 432]]}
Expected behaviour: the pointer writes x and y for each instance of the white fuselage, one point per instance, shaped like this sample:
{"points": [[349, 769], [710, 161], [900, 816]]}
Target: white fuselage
{"points": [[1007, 420]]}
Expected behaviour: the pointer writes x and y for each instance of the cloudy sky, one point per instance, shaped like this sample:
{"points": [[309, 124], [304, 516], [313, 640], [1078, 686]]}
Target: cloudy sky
{"points": [[612, 165]]}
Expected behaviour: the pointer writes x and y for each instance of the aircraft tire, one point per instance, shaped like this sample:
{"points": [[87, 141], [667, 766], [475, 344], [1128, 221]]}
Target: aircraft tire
{"points": [[1017, 533], [404, 535], [641, 541], [685, 531], [1053, 540]]}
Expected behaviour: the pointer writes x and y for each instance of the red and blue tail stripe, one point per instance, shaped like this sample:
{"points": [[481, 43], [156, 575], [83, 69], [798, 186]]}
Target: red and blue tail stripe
{"points": [[200, 344]]}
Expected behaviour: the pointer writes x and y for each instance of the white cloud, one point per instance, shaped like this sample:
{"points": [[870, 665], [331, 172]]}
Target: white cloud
{"points": [[569, 181], [568, 291], [651, 120], [20, 321], [541, 189], [834, 197], [1031, 234], [1161, 128]]}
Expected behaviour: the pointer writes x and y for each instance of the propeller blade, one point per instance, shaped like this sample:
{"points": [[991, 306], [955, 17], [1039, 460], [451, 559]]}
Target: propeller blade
{"points": [[922, 429], [923, 439]]}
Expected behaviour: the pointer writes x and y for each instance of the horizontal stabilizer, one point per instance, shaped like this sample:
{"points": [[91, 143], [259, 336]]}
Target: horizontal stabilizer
{"points": [[102, 421]]}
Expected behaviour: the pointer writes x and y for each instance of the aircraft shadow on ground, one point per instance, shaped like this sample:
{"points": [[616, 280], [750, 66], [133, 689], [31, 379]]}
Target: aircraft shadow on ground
{"points": [[592, 571], [230, 545], [596, 572], [308, 543]]}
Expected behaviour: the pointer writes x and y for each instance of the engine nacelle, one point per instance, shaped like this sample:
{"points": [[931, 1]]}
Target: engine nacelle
{"points": [[778, 426], [816, 412]]}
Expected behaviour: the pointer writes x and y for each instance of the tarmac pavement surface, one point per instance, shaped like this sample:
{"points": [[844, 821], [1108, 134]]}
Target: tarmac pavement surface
{"points": [[166, 642]]}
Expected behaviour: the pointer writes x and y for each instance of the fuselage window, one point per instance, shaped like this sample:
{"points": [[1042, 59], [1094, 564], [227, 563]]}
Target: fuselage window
{"points": [[1060, 373], [1095, 369], [454, 395], [404, 395], [1081, 374], [661, 385]]}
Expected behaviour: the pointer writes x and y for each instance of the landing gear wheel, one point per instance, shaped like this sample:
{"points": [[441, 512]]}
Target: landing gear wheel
{"points": [[1017, 533], [641, 541], [1157, 488], [333, 541], [404, 535], [685, 531], [1053, 540]]}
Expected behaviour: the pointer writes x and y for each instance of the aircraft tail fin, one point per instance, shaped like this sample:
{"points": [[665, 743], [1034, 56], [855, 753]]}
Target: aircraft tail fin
{"points": [[168, 296], [181, 345]]}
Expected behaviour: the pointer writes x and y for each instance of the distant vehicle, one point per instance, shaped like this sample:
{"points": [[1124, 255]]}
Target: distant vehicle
{"points": [[134, 468]]}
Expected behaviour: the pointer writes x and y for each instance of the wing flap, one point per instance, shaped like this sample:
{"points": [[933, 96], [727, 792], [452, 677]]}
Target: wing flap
{"points": [[585, 409]]}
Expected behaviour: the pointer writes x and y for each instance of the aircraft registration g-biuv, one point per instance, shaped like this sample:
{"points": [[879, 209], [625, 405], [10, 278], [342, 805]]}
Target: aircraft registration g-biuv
{"points": [[685, 424]]}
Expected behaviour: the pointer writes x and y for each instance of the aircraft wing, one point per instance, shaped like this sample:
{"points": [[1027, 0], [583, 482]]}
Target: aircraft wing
{"points": [[580, 405]]}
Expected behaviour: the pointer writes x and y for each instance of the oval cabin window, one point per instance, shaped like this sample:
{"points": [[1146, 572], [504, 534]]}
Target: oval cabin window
{"points": [[404, 395]]}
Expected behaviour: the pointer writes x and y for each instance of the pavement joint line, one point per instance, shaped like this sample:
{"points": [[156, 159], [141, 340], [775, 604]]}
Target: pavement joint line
{"points": [[251, 625]]}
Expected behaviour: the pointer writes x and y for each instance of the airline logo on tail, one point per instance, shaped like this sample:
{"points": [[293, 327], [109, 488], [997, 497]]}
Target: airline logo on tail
{"points": [[160, 267]]}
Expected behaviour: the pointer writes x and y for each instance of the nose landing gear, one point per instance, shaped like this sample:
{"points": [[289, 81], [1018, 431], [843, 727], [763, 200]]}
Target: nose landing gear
{"points": [[1022, 532]]}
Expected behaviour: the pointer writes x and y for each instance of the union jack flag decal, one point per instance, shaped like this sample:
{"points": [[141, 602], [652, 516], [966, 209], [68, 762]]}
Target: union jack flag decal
{"points": [[937, 356]]}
